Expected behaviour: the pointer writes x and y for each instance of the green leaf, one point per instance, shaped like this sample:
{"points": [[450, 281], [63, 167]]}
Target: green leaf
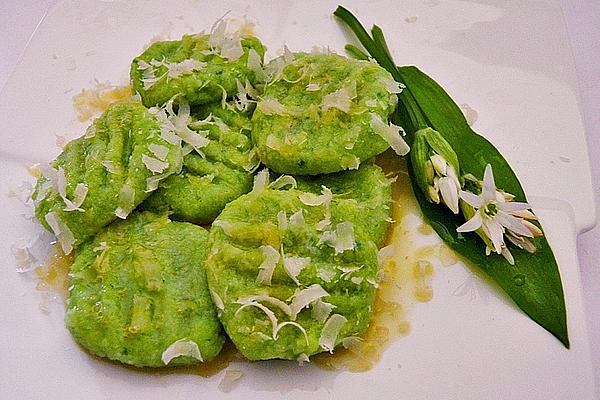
{"points": [[533, 282]]}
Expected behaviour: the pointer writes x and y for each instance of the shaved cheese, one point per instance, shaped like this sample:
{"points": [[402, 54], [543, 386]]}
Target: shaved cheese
{"points": [[229, 378], [266, 310], [390, 133], [340, 99], [177, 69], [321, 310], [261, 181], [391, 85], [313, 87], [80, 194], [225, 37], [154, 164], [197, 139], [283, 181], [302, 358], [23, 257], [255, 65], [242, 101], [305, 297], [297, 219], [217, 300], [270, 106], [267, 299], [61, 183], [182, 347], [61, 231], [153, 181], [110, 166], [330, 332], [290, 323], [357, 280], [282, 221], [288, 56], [161, 152], [341, 239], [252, 160], [270, 260], [126, 201], [311, 199], [293, 266], [326, 274], [102, 246]]}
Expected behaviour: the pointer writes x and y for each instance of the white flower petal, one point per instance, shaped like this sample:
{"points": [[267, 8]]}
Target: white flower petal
{"points": [[495, 232], [449, 193], [471, 225], [513, 224], [489, 187], [510, 206], [471, 199]]}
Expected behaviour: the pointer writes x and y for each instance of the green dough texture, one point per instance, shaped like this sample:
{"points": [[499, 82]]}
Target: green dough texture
{"points": [[140, 286], [202, 75], [365, 196], [210, 180], [298, 129], [348, 276], [109, 161]]}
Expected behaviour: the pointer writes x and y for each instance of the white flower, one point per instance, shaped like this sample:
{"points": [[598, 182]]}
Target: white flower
{"points": [[496, 216]]}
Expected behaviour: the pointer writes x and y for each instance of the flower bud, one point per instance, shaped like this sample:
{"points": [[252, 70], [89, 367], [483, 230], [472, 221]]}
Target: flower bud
{"points": [[436, 168]]}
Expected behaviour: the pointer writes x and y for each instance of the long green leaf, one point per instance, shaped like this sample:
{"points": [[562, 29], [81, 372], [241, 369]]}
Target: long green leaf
{"points": [[533, 282]]}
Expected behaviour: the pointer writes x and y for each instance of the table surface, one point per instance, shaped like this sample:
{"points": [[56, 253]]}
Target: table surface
{"points": [[19, 18]]}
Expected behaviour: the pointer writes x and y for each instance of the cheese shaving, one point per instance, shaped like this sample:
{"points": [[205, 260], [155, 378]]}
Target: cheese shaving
{"points": [[161, 152], [341, 239], [267, 299], [290, 323], [217, 300], [228, 381], [270, 106], [255, 65], [182, 347], [391, 134], [61, 231], [266, 268], [283, 181], [391, 85], [177, 69], [313, 87], [282, 221], [297, 219], [126, 201], [110, 167], [340, 99], [305, 297], [154, 164], [330, 332], [261, 182], [321, 310], [225, 37], [294, 265], [270, 314]]}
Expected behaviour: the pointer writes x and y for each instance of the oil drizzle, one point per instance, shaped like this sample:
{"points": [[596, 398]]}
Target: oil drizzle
{"points": [[53, 274]]}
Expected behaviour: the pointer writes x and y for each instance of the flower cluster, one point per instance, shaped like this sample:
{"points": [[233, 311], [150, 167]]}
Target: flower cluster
{"points": [[490, 213]]}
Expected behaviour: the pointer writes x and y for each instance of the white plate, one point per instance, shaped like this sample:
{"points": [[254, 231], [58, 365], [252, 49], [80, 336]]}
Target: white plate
{"points": [[510, 61]]}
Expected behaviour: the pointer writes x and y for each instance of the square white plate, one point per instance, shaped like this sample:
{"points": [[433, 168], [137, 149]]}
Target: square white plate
{"points": [[510, 61]]}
